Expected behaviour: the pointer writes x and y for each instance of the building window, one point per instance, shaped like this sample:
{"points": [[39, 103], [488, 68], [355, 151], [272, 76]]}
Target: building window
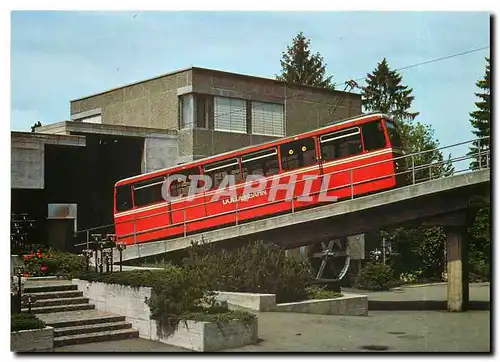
{"points": [[341, 144], [204, 110], [186, 111], [267, 119], [230, 115], [297, 154]]}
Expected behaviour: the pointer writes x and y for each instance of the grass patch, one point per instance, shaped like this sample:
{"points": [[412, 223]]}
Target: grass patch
{"points": [[315, 292]]}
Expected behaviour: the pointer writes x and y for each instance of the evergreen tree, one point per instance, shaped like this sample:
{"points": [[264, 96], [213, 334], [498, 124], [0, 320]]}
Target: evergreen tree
{"points": [[385, 93], [418, 251], [300, 66], [481, 118]]}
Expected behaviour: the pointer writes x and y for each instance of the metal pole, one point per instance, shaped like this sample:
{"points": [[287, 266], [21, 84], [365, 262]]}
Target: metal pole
{"points": [[479, 158], [413, 169], [135, 238], [236, 209], [293, 206], [88, 241], [96, 261], [383, 250], [121, 260], [185, 227], [352, 185]]}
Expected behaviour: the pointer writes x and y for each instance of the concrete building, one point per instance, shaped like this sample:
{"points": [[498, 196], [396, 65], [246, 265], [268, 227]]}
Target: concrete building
{"points": [[71, 166]]}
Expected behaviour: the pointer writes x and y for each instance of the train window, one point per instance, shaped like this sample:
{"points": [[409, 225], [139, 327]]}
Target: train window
{"points": [[341, 144], [148, 192], [298, 154], [123, 198], [373, 136], [393, 134], [218, 170], [180, 187], [263, 163]]}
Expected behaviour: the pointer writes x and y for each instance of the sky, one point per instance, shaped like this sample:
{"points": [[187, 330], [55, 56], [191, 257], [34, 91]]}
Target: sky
{"points": [[60, 56]]}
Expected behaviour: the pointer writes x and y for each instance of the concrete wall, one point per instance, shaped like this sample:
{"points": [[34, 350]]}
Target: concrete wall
{"points": [[199, 336], [152, 103], [160, 151], [27, 157], [306, 108], [33, 340]]}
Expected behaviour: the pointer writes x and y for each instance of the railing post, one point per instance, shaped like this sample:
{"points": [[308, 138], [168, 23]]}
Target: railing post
{"points": [[236, 209], [479, 158], [185, 228], [135, 236], [352, 184], [88, 241], [413, 169], [293, 205]]}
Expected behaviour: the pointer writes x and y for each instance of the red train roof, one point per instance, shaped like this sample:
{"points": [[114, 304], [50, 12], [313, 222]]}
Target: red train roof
{"points": [[235, 153]]}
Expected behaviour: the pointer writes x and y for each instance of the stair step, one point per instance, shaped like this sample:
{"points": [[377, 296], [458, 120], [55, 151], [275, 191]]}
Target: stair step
{"points": [[96, 337], [60, 301], [83, 321], [59, 308], [91, 328], [56, 294], [49, 288]]}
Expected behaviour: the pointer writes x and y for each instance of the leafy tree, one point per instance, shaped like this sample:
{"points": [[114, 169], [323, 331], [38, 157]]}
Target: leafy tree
{"points": [[300, 66], [481, 118]]}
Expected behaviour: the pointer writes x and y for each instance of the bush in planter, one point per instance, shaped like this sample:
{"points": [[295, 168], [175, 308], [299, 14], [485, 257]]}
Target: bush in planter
{"points": [[376, 276], [177, 294], [59, 263], [25, 321], [257, 267]]}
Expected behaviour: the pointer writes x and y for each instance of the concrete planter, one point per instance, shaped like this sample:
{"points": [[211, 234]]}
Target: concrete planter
{"points": [[349, 304], [131, 303], [32, 340]]}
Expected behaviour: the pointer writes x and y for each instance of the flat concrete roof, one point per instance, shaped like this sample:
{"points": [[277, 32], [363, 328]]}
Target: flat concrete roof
{"points": [[47, 138], [68, 127], [252, 77]]}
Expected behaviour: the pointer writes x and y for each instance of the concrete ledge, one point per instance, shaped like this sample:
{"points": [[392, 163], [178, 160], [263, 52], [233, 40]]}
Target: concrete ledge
{"points": [[209, 337], [349, 304], [131, 303], [253, 301], [32, 340]]}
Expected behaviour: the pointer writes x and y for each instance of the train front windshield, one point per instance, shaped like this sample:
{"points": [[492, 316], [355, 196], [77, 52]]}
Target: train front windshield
{"points": [[393, 134]]}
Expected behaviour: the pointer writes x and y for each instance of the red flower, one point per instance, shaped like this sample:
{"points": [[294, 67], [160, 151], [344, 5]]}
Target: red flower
{"points": [[43, 268]]}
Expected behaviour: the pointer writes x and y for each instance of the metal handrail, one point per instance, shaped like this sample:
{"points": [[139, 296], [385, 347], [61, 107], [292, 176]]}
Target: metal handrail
{"points": [[351, 170], [351, 184]]}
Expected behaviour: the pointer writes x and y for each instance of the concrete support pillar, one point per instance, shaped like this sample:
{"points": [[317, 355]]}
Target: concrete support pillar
{"points": [[457, 268]]}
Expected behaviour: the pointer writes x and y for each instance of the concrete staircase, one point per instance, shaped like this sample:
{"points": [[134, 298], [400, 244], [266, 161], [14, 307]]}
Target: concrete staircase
{"points": [[75, 321]]}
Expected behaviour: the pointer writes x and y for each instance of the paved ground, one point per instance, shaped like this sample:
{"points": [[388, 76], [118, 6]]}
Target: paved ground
{"points": [[477, 292], [399, 331]]}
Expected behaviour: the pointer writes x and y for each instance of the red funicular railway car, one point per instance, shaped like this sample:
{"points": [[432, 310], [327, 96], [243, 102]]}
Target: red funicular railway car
{"points": [[345, 159]]}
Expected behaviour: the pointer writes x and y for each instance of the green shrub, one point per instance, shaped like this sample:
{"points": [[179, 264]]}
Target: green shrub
{"points": [[177, 293], [253, 268], [315, 292], [54, 263], [376, 276], [25, 321]]}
